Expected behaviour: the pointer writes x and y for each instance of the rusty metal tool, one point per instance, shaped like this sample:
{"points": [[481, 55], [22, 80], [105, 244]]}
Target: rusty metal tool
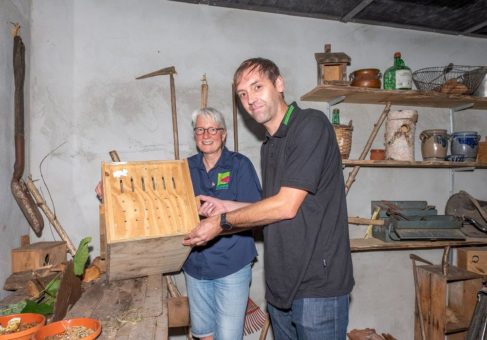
{"points": [[19, 189], [171, 71]]}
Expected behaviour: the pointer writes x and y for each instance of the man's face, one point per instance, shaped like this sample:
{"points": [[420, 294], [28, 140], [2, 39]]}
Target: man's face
{"points": [[259, 96]]}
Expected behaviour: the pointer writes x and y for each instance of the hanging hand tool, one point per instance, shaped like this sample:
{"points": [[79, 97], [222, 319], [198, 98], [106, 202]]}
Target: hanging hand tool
{"points": [[169, 71], [204, 92], [17, 185]]}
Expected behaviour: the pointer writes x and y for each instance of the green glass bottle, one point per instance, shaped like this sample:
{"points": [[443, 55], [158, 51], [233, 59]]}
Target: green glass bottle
{"points": [[398, 76], [335, 117]]}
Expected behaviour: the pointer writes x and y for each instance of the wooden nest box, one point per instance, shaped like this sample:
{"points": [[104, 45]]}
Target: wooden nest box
{"points": [[148, 209], [332, 67]]}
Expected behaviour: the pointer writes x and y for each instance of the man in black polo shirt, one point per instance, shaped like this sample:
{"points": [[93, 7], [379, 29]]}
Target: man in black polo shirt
{"points": [[308, 266]]}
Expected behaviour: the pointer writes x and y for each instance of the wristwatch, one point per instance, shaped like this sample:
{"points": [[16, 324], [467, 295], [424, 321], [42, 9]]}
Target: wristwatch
{"points": [[223, 222]]}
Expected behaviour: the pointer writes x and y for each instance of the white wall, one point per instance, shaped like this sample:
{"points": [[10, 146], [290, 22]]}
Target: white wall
{"points": [[12, 221], [84, 97]]}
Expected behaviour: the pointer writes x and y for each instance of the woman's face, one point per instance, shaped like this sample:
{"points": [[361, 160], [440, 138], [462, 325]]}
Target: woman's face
{"points": [[206, 142]]}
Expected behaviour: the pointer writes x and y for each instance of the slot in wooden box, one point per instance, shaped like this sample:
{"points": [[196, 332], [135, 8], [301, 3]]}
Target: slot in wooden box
{"points": [[37, 255], [148, 209]]}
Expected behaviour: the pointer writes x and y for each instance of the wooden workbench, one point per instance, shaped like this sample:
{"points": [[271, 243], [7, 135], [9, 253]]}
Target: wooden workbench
{"points": [[128, 309]]}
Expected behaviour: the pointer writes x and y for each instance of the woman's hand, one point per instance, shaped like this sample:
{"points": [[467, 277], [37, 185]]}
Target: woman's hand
{"points": [[211, 206], [99, 191]]}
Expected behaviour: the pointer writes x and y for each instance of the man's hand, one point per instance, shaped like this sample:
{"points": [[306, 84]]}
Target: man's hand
{"points": [[211, 206], [206, 230]]}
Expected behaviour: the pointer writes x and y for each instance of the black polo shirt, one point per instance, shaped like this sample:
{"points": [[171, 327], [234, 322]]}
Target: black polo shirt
{"points": [[309, 255]]}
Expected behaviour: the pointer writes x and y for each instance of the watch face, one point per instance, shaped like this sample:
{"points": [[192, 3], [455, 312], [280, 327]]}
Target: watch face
{"points": [[223, 222]]}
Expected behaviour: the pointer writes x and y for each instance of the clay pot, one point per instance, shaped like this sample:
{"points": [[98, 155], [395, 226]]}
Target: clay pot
{"points": [[434, 144], [368, 77], [377, 154], [60, 326], [465, 143], [25, 318]]}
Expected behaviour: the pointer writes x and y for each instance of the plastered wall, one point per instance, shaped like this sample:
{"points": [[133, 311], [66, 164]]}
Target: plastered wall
{"points": [[85, 101]]}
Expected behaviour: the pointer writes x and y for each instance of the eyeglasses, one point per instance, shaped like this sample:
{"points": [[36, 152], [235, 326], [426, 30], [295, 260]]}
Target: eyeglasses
{"points": [[211, 130]]}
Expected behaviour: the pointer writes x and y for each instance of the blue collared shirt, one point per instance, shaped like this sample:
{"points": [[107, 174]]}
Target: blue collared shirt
{"points": [[233, 178]]}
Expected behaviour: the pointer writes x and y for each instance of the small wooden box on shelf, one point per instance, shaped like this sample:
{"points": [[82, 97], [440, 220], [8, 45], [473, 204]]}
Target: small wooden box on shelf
{"points": [[447, 301], [473, 259], [37, 255]]}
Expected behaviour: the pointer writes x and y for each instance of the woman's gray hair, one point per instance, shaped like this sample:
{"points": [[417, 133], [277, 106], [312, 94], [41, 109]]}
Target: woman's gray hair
{"points": [[210, 113]]}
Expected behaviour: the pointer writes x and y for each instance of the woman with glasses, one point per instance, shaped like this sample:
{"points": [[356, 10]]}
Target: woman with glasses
{"points": [[218, 274]]}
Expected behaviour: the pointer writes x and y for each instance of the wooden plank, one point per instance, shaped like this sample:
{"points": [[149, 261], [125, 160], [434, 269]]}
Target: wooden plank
{"points": [[414, 164], [113, 307], [373, 244], [424, 291], [153, 298], [88, 302], [453, 273], [325, 93], [148, 304], [103, 233], [17, 281], [145, 257], [364, 221], [437, 321]]}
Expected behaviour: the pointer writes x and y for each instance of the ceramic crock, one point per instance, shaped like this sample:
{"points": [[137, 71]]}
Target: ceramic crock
{"points": [[465, 143], [367, 77], [434, 144]]}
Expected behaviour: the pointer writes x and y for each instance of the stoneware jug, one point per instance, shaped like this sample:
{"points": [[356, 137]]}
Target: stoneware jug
{"points": [[434, 144], [465, 143]]}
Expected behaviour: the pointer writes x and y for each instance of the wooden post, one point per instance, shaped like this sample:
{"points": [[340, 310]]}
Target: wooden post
{"points": [[365, 151], [235, 125], [204, 92], [174, 117]]}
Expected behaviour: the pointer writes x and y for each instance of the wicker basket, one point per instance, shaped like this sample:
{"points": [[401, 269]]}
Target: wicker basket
{"points": [[451, 79], [344, 139]]}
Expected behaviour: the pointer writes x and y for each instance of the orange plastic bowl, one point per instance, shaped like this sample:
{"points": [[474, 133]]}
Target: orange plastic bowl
{"points": [[60, 326], [26, 334]]}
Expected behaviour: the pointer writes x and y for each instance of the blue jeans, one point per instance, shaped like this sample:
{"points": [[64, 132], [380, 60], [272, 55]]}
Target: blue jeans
{"points": [[311, 319], [217, 307]]}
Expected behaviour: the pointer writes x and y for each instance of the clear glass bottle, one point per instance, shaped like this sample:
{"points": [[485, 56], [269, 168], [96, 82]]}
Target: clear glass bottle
{"points": [[398, 76], [335, 117]]}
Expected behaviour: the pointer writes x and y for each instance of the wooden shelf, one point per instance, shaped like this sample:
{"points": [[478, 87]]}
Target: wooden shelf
{"points": [[325, 93], [374, 244], [415, 164]]}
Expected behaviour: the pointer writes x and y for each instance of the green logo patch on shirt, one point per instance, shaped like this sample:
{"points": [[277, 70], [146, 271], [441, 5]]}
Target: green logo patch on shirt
{"points": [[223, 179]]}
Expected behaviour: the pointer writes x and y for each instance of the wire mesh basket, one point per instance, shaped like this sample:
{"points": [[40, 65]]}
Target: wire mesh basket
{"points": [[452, 79]]}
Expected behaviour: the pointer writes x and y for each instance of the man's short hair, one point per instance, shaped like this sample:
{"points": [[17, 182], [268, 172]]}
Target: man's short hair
{"points": [[266, 66]]}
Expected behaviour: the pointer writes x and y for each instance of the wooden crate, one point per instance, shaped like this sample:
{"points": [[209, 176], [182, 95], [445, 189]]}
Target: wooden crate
{"points": [[37, 255], [149, 208], [447, 302], [473, 259]]}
